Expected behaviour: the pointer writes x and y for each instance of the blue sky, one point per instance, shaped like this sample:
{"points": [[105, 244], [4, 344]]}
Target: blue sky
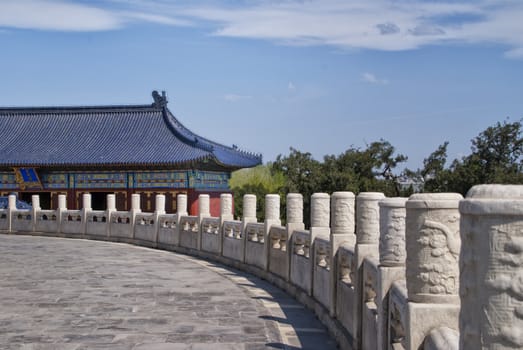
{"points": [[317, 75]]}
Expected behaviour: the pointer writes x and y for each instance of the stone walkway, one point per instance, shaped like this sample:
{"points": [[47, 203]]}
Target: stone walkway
{"points": [[65, 294]]}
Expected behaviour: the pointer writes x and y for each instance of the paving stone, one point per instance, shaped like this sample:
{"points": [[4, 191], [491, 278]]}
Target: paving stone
{"points": [[65, 294]]}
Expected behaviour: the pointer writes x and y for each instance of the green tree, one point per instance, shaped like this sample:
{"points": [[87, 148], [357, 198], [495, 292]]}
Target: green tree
{"points": [[357, 170], [302, 174], [497, 157]]}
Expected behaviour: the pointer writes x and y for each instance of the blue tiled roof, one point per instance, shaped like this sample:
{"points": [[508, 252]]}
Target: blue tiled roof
{"points": [[112, 136]]}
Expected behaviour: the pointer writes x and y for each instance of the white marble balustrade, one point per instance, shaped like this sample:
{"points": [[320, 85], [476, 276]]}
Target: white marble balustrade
{"points": [[381, 273]]}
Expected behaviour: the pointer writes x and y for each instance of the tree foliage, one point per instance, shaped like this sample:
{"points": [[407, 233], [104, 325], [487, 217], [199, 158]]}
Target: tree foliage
{"points": [[356, 170], [496, 157]]}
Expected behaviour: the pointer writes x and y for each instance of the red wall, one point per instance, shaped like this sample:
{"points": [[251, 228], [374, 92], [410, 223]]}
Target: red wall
{"points": [[214, 199]]}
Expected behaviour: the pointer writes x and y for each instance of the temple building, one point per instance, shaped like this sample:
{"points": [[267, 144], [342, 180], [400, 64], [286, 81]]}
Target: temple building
{"points": [[112, 149]]}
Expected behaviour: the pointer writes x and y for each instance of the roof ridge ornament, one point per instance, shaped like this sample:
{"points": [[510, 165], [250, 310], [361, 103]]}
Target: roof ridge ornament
{"points": [[160, 101]]}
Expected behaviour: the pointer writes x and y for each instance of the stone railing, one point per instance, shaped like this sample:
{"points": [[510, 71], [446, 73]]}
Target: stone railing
{"points": [[380, 273]]}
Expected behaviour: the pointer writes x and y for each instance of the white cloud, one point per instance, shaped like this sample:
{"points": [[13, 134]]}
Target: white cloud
{"points": [[387, 25], [236, 98], [55, 15], [61, 15], [291, 86], [372, 79]]}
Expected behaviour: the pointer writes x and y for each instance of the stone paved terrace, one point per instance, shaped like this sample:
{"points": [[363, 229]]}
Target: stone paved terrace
{"points": [[69, 294]]}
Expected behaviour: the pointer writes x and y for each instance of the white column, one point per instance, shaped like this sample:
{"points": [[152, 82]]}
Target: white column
{"points": [[432, 265], [226, 209], [181, 205], [62, 202], [272, 217], [11, 206], [135, 203], [491, 267], [35, 204], [159, 204], [204, 205], [204, 211], [249, 208], [392, 259], [367, 243], [342, 230], [111, 207], [111, 202], [86, 207], [86, 201]]}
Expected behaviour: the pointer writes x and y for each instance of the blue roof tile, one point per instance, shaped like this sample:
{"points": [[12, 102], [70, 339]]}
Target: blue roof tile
{"points": [[107, 136]]}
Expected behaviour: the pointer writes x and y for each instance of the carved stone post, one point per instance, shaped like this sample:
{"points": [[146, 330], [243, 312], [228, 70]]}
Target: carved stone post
{"points": [[320, 221], [342, 230], [181, 205], [249, 208], [226, 214], [135, 209], [86, 208], [204, 211], [135, 203], [294, 222], [181, 210], [392, 259], [62, 206], [491, 266], [111, 202], [320, 215], [159, 208], [35, 204], [111, 208], [272, 217], [367, 246], [226, 209], [249, 215], [11, 206], [432, 270]]}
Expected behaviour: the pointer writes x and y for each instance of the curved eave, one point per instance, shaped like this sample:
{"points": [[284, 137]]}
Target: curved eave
{"points": [[243, 159]]}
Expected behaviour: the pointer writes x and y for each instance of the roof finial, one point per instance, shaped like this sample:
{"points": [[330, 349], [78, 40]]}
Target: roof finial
{"points": [[159, 101]]}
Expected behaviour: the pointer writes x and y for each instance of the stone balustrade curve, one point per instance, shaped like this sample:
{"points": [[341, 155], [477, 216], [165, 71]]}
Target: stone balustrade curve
{"points": [[433, 271]]}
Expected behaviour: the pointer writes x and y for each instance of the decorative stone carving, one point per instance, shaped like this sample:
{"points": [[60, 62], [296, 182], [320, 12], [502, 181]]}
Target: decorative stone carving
{"points": [[491, 265], [226, 204], [249, 206], [368, 217], [204, 205], [294, 208], [433, 245], [392, 231], [181, 204], [320, 210], [342, 215], [272, 207]]}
